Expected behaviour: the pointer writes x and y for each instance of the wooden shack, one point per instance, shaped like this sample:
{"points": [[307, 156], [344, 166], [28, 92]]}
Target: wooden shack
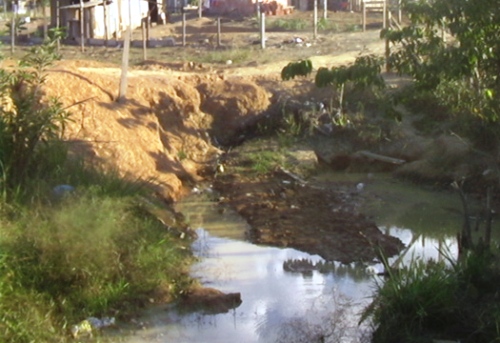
{"points": [[102, 18]]}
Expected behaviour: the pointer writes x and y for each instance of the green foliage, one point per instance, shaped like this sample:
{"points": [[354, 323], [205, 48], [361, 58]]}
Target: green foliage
{"points": [[27, 124], [19, 25], [89, 256], [465, 63], [426, 301], [364, 72], [287, 24], [265, 161], [294, 69]]}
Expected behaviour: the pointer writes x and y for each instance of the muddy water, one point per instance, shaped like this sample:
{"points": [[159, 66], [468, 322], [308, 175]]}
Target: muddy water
{"points": [[279, 306]]}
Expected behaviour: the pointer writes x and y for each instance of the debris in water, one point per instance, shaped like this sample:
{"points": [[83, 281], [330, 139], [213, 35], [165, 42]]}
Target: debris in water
{"points": [[87, 326]]}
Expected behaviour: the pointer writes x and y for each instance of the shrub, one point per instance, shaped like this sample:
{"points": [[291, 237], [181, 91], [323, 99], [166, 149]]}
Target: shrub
{"points": [[427, 301]]}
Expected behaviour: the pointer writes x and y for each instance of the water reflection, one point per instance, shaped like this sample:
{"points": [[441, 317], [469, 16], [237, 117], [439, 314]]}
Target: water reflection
{"points": [[278, 306]]}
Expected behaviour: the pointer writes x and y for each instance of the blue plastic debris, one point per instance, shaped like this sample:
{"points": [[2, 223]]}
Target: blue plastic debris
{"points": [[61, 190]]}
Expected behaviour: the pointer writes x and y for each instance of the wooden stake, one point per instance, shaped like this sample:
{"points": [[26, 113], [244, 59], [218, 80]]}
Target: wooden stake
{"points": [[218, 32], [45, 21], [384, 14], [144, 40], [183, 28], [123, 79], [363, 9], [58, 23], [126, 52], [263, 30], [106, 29], [13, 33], [315, 19], [82, 23]]}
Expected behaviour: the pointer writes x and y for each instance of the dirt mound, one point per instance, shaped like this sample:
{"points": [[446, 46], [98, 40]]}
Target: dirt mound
{"points": [[234, 106]]}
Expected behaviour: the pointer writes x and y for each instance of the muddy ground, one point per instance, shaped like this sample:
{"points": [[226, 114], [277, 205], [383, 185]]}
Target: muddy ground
{"points": [[317, 217]]}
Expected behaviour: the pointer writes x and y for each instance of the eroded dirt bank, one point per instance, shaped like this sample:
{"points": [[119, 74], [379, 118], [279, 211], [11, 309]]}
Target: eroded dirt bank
{"points": [[169, 131]]}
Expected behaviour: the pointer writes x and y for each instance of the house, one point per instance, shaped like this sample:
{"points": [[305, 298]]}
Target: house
{"points": [[102, 18]]}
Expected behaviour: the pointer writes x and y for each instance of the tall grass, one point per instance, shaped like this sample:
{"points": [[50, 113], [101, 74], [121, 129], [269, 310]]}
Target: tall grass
{"points": [[427, 301], [91, 255]]}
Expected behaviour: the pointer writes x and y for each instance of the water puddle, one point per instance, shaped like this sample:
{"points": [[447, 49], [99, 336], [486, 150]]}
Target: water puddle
{"points": [[275, 302], [283, 306]]}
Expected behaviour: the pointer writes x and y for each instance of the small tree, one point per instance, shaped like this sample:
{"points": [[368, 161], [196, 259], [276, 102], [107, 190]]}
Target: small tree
{"points": [[451, 48], [26, 122], [364, 72]]}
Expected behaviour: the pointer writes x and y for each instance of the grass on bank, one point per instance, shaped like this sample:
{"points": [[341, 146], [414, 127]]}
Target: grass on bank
{"points": [[426, 301], [95, 251]]}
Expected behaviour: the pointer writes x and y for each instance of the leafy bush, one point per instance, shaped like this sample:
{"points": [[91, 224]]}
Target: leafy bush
{"points": [[450, 49], [27, 125]]}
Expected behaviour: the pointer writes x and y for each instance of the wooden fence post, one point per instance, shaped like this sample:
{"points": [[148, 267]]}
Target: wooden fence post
{"points": [[387, 44], [183, 28], [363, 9], [58, 24], [263, 30], [144, 23], [218, 32], [106, 29], [315, 20], [82, 31], [385, 8], [13, 33]]}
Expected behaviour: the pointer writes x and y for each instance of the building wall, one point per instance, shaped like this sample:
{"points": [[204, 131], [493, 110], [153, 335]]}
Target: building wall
{"points": [[117, 16]]}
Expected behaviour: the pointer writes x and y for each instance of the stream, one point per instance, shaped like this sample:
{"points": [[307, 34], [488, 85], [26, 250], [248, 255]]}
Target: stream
{"points": [[283, 306]]}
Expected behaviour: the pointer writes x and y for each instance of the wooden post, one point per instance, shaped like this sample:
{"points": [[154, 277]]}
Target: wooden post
{"points": [[125, 57], [58, 24], [13, 33], [200, 8], [218, 32], [263, 30], [385, 9], [387, 44], [400, 14], [315, 19], [106, 29], [82, 23], [183, 28], [45, 21], [325, 9], [144, 40], [363, 17], [123, 78]]}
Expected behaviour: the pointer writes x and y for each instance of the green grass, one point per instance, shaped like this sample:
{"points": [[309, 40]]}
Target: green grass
{"points": [[265, 161], [89, 255], [427, 301], [287, 24]]}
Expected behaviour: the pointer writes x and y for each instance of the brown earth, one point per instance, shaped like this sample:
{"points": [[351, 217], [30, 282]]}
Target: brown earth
{"points": [[176, 112]]}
